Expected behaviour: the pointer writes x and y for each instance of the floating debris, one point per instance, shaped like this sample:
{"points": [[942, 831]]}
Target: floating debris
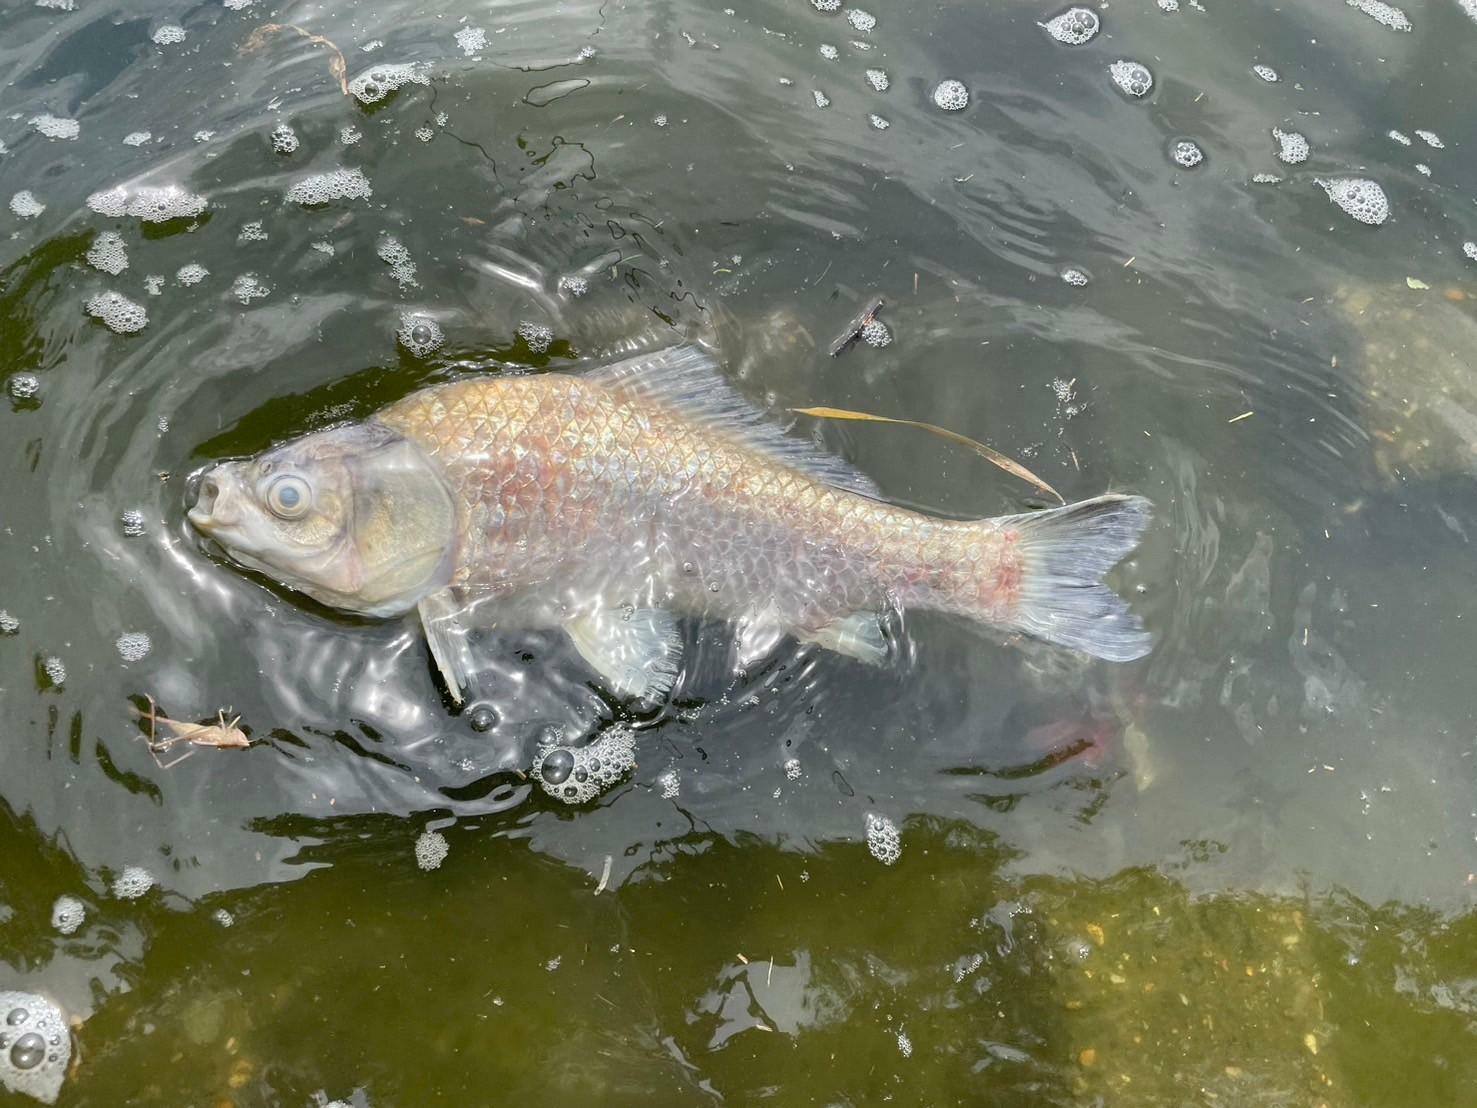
{"points": [[950, 95], [853, 331], [223, 734], [1132, 78], [431, 850], [1360, 197]]}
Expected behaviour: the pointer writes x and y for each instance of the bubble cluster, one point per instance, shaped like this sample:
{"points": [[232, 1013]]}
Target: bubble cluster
{"points": [[1265, 179], [951, 95], [878, 79], [55, 670], [341, 184], [154, 284], [393, 253], [248, 287], [379, 81], [1380, 12], [25, 205], [223, 917], [1133, 78], [1401, 137], [134, 646], [133, 523], [904, 1044], [1266, 73], [1470, 250], [152, 204], [35, 1046], [884, 840], [252, 232], [136, 138], [860, 20], [425, 134], [574, 285], [170, 34], [23, 386], [108, 253], [1170, 6], [1360, 197], [9, 625], [670, 783], [821, 99], [1074, 26], [1075, 276], [67, 915], [431, 850], [58, 5], [1423, 169], [191, 274], [55, 127], [538, 336], [203, 136], [1186, 153], [325, 248], [420, 334], [829, 52], [472, 40], [826, 5], [1431, 139], [792, 769], [350, 135], [876, 334], [118, 313], [878, 122], [1292, 147], [132, 883], [284, 139], [576, 775]]}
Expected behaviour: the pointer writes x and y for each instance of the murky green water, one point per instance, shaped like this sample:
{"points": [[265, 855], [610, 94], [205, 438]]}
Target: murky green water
{"points": [[1237, 873]]}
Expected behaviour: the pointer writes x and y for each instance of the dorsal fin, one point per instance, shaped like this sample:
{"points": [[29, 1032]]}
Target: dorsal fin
{"points": [[686, 379]]}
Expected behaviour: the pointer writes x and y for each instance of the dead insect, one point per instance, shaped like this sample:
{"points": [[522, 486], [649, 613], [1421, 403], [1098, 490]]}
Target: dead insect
{"points": [[843, 342], [221, 734]]}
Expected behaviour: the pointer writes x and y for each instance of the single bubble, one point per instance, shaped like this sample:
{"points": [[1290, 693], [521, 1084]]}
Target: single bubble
{"points": [[67, 914], [431, 850], [1074, 26], [483, 719], [132, 883], [17, 1016], [134, 646], [1132, 78], [28, 1052], [1186, 153], [25, 205], [24, 386], [950, 95], [557, 766]]}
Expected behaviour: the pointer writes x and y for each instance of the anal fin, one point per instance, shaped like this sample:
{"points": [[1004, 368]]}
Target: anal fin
{"points": [[858, 636], [448, 617], [637, 651]]}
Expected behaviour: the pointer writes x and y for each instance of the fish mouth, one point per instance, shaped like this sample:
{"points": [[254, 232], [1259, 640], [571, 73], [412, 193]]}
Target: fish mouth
{"points": [[211, 511]]}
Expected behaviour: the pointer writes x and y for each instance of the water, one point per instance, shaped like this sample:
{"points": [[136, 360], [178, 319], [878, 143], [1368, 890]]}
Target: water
{"points": [[1244, 865]]}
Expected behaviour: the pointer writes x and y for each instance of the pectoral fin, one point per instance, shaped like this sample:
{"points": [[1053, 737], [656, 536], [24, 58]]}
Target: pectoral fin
{"points": [[858, 636], [448, 618], [637, 652]]}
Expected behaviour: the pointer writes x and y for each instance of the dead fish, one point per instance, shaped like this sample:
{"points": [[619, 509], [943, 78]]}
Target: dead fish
{"points": [[612, 502]]}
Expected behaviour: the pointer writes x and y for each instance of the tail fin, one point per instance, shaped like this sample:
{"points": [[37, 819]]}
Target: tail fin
{"points": [[1064, 554]]}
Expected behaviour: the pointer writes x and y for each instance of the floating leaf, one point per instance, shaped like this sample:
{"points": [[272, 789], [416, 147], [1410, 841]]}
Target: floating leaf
{"points": [[1416, 283], [1014, 468]]}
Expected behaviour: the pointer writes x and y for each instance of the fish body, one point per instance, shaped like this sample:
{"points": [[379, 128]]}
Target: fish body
{"points": [[612, 502]]}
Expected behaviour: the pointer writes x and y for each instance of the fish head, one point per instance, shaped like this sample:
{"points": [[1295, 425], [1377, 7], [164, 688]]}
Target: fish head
{"points": [[357, 517]]}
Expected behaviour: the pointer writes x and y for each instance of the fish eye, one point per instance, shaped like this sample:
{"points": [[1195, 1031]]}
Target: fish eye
{"points": [[289, 497]]}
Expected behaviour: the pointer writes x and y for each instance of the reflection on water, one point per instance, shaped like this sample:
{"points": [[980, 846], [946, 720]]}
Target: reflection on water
{"points": [[1265, 826]]}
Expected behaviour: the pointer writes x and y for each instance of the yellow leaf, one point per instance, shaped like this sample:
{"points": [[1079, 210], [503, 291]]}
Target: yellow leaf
{"points": [[1416, 283], [1014, 468]]}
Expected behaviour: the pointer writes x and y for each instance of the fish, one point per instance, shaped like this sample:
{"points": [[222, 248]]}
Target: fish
{"points": [[613, 503]]}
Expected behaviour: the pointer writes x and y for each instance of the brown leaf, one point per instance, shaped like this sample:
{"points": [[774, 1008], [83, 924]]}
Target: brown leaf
{"points": [[1014, 468], [336, 64]]}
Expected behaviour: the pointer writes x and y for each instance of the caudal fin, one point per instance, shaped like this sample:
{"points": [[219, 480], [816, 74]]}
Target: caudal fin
{"points": [[1064, 554]]}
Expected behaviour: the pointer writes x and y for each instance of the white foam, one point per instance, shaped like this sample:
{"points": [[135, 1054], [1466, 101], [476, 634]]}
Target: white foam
{"points": [[136, 138], [574, 285], [1401, 137], [377, 82], [223, 917], [1380, 12], [132, 883], [1423, 169], [878, 122], [472, 40], [134, 646], [55, 127], [860, 20], [55, 670], [252, 232], [191, 274], [875, 333], [1186, 153], [1266, 73], [431, 850], [821, 99], [1292, 147], [169, 35], [9, 625], [1170, 6], [35, 1064], [284, 139], [24, 386], [1360, 197], [826, 5], [25, 205], [829, 52], [152, 204], [154, 284], [950, 95], [878, 79], [670, 783], [586, 771], [119, 313], [108, 253], [133, 523], [1431, 139], [67, 914], [392, 252], [1133, 78], [883, 839], [538, 336], [420, 334], [248, 287], [1074, 26], [1470, 250], [340, 184], [1075, 276]]}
